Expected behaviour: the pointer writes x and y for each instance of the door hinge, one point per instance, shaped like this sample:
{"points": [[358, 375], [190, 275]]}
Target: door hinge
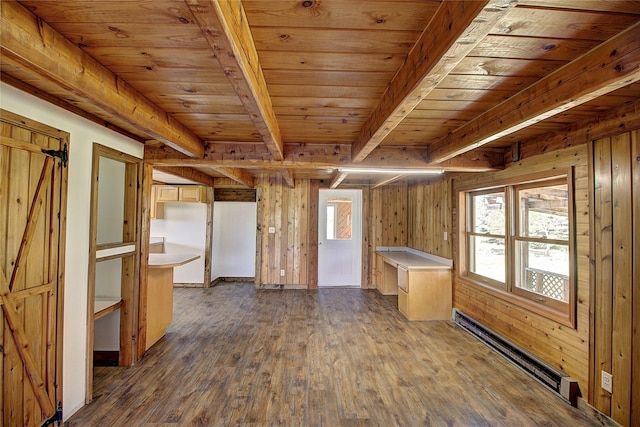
{"points": [[61, 154], [55, 418]]}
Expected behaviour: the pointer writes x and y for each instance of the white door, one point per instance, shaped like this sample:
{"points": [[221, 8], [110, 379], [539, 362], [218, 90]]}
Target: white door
{"points": [[340, 238]]}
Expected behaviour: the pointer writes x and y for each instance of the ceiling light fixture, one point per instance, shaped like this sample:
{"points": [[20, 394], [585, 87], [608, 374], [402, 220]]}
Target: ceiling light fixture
{"points": [[432, 171]]}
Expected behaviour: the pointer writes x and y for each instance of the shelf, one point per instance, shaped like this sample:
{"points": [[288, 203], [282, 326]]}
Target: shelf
{"points": [[104, 306]]}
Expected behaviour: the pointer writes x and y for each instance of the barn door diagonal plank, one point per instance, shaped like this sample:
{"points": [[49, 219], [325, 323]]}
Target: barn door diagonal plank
{"points": [[32, 220], [21, 341]]}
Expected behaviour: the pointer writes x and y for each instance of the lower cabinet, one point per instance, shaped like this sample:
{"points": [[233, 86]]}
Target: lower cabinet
{"points": [[425, 294]]}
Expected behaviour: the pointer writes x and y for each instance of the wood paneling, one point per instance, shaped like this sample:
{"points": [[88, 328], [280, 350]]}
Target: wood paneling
{"points": [[615, 163], [557, 344], [387, 222], [430, 217], [287, 211]]}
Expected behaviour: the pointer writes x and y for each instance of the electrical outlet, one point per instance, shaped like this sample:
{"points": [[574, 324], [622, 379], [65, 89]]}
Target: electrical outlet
{"points": [[446, 236], [281, 273], [607, 381], [272, 230]]}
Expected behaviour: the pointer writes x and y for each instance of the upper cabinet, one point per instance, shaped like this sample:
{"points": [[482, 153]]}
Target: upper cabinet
{"points": [[161, 194], [181, 193]]}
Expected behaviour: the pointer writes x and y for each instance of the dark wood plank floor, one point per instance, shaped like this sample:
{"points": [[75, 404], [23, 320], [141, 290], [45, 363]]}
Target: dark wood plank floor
{"points": [[335, 357]]}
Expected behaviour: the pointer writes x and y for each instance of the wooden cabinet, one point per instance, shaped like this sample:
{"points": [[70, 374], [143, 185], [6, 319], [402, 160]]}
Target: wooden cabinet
{"points": [[161, 194], [427, 294], [166, 193], [422, 283], [389, 278], [181, 193], [195, 194]]}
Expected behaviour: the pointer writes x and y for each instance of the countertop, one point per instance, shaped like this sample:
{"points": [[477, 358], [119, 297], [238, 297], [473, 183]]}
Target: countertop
{"points": [[170, 260], [412, 259]]}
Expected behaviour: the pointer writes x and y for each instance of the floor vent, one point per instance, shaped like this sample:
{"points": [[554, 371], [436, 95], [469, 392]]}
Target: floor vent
{"points": [[549, 376]]}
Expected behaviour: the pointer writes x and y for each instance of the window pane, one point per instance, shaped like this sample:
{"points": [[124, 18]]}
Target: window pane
{"points": [[331, 222], [487, 257], [489, 213], [544, 212], [544, 269], [339, 218]]}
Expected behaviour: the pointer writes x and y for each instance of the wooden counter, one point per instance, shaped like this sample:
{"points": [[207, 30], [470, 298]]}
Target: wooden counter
{"points": [[421, 281], [160, 292]]}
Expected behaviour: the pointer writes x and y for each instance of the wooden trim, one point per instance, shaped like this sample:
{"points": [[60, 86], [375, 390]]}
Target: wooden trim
{"points": [[592, 274], [27, 42], [130, 274], [605, 68], [621, 179], [107, 310], [635, 362], [145, 221], [312, 269], [208, 245], [259, 224]]}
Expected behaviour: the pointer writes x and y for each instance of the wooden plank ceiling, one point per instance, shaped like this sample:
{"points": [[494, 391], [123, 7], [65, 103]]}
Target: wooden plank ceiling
{"points": [[305, 87]]}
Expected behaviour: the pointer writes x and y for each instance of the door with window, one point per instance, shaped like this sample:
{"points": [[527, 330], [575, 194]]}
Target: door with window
{"points": [[340, 238], [33, 176]]}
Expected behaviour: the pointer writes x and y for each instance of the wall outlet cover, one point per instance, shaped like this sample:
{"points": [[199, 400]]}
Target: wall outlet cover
{"points": [[607, 381]]}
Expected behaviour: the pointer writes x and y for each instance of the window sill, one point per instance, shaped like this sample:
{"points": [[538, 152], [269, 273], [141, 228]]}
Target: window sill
{"points": [[525, 303]]}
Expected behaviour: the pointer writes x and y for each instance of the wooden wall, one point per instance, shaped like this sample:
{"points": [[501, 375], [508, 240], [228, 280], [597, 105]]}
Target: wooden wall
{"points": [[562, 346], [430, 216], [387, 215], [288, 211], [616, 293]]}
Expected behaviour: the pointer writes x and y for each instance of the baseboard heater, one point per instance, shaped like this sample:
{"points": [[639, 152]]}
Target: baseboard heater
{"points": [[547, 375]]}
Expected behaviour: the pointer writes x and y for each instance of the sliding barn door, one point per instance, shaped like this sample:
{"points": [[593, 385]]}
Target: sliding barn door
{"points": [[32, 206]]}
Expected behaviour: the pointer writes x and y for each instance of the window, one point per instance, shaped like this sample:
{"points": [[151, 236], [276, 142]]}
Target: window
{"points": [[517, 242], [339, 218]]}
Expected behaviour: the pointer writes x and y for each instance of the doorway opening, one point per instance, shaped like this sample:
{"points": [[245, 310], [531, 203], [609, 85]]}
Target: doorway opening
{"points": [[113, 260]]}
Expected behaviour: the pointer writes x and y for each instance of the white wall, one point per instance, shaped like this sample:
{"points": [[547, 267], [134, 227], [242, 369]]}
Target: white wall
{"points": [[184, 228], [83, 134], [234, 239]]}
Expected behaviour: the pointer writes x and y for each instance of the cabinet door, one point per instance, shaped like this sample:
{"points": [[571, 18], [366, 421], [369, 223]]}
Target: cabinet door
{"points": [[403, 279], [190, 194], [167, 193]]}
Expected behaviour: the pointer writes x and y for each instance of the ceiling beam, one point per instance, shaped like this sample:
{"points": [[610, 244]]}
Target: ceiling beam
{"points": [[385, 181], [456, 28], [323, 156], [288, 178], [241, 176], [33, 46], [611, 65], [337, 179], [225, 27], [188, 173], [623, 118]]}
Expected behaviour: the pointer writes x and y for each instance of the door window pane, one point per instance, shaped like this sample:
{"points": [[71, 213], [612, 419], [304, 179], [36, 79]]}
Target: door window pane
{"points": [[339, 219]]}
